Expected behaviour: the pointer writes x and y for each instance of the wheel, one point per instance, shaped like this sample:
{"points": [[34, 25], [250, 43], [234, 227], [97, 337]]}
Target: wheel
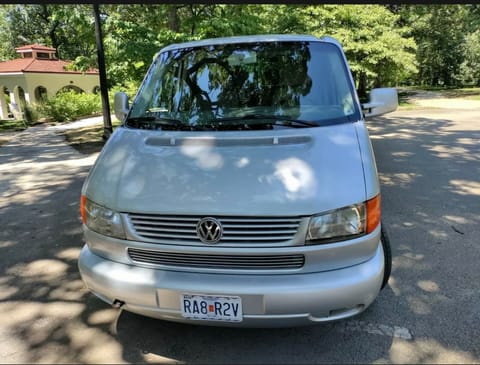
{"points": [[387, 254]]}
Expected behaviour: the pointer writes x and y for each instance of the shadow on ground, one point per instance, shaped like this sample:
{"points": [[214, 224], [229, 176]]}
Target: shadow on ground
{"points": [[429, 174]]}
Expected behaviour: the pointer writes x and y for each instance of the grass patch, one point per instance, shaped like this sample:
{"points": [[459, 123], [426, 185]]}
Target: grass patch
{"points": [[88, 140], [9, 127], [404, 101], [12, 125], [465, 92], [407, 106], [405, 94], [471, 93]]}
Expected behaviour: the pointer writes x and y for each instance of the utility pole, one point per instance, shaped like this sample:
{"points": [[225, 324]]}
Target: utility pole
{"points": [[107, 122]]}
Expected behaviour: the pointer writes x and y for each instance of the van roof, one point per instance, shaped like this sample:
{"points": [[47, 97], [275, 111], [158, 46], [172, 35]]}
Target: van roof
{"points": [[243, 39]]}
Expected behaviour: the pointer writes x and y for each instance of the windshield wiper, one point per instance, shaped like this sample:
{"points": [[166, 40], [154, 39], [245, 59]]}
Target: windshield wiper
{"points": [[147, 122], [277, 120], [150, 122]]}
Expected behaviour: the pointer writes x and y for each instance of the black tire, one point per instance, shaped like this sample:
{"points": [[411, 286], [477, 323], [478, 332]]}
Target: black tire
{"points": [[387, 254]]}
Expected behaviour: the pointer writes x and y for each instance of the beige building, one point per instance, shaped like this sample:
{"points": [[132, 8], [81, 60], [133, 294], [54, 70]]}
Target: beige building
{"points": [[38, 74]]}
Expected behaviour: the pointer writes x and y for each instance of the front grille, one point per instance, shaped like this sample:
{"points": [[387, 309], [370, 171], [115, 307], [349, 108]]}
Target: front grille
{"points": [[239, 262], [236, 230]]}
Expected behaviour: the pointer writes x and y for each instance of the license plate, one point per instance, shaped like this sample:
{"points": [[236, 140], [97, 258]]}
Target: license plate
{"points": [[211, 307]]}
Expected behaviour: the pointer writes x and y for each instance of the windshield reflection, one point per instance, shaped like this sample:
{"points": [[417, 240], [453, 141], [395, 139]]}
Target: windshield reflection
{"points": [[199, 86]]}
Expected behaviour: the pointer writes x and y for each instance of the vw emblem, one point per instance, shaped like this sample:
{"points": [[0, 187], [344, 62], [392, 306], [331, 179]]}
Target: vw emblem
{"points": [[209, 230]]}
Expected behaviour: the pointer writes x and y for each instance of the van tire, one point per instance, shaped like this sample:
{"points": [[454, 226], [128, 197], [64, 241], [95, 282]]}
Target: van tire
{"points": [[387, 254]]}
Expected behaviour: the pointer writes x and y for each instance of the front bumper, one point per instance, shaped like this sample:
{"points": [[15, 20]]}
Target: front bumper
{"points": [[267, 300]]}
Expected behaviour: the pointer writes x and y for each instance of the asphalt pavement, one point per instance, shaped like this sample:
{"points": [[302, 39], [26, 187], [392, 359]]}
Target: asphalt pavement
{"points": [[429, 165]]}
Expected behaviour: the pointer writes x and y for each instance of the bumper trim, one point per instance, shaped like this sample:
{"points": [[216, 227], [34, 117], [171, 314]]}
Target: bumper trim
{"points": [[268, 300]]}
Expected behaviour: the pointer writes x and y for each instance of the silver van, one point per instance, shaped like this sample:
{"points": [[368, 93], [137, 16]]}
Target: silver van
{"points": [[241, 188]]}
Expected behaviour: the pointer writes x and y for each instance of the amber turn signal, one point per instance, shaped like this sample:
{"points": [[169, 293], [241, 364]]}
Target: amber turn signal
{"points": [[373, 213], [83, 213]]}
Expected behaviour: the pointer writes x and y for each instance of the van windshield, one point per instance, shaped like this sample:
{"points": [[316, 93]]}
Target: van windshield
{"points": [[260, 85]]}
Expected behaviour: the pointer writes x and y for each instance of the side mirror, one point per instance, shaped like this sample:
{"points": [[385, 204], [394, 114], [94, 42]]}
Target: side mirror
{"points": [[120, 105], [383, 100]]}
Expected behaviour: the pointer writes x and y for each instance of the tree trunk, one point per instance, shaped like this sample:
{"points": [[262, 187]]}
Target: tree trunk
{"points": [[52, 28], [173, 20], [362, 85]]}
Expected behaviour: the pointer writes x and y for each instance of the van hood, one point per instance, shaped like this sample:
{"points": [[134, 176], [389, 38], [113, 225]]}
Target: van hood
{"points": [[284, 172]]}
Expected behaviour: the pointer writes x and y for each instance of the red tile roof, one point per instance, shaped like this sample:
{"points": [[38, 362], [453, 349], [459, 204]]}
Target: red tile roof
{"points": [[17, 65], [36, 47], [38, 65]]}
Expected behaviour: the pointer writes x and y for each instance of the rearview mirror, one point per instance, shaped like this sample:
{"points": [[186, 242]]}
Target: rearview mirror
{"points": [[382, 101], [120, 105]]}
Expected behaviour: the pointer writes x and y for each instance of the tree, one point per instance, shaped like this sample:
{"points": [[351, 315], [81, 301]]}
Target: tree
{"points": [[68, 28], [385, 44], [379, 52], [231, 20], [7, 48], [134, 33], [470, 67], [131, 39], [439, 31]]}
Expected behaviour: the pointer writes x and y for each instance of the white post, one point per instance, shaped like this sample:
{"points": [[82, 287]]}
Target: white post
{"points": [[27, 97], [14, 107], [3, 105]]}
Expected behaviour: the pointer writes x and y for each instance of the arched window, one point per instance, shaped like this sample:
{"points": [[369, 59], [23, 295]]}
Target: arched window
{"points": [[73, 88], [40, 94], [20, 100], [18, 105], [7, 94]]}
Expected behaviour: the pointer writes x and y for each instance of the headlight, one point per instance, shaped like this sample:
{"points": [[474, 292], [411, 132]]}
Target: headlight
{"points": [[345, 223], [341, 224], [101, 220]]}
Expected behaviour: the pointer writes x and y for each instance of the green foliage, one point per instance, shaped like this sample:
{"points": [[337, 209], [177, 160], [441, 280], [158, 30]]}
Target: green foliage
{"points": [[386, 45], [30, 114], [7, 50], [12, 125], [228, 20], [82, 63], [439, 31], [131, 35], [68, 28], [374, 45], [67, 106], [470, 67], [129, 87]]}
